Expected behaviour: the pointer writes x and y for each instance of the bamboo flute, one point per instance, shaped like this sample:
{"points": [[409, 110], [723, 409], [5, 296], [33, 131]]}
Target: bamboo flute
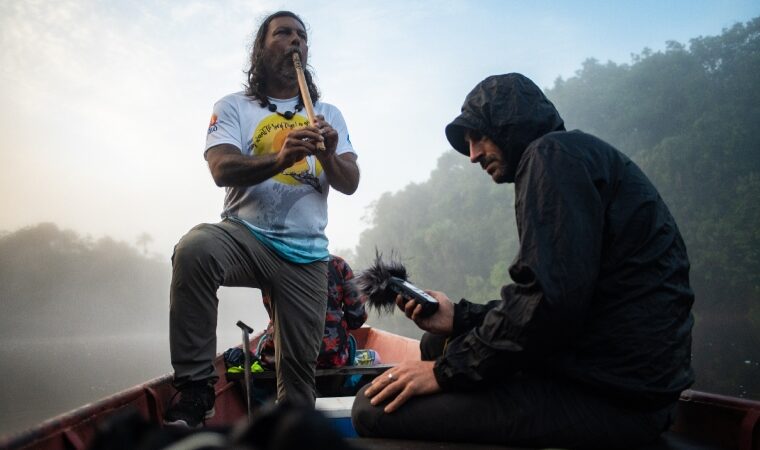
{"points": [[305, 94]]}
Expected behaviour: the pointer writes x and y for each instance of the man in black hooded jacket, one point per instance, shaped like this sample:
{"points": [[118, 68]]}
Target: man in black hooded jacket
{"points": [[590, 346]]}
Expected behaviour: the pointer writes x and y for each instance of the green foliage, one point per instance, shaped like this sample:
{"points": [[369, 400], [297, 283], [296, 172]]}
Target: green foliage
{"points": [[447, 231], [709, 174], [688, 117]]}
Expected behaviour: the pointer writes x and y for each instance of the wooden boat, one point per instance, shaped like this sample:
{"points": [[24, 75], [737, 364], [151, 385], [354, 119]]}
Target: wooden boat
{"points": [[704, 421]]}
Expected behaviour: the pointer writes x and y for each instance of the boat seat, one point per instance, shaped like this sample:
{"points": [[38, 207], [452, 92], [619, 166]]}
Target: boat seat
{"points": [[329, 382], [346, 370]]}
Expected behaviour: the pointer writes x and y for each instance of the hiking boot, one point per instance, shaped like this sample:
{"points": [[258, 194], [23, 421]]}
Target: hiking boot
{"points": [[196, 404]]}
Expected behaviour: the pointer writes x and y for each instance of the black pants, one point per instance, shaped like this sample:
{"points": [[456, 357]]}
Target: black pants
{"points": [[525, 411]]}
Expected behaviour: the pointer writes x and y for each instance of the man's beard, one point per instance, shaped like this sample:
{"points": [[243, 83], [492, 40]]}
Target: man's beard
{"points": [[500, 174], [280, 65]]}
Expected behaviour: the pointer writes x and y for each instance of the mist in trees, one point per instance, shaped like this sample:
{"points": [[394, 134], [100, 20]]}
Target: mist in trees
{"points": [[688, 117], [55, 283], [83, 318]]}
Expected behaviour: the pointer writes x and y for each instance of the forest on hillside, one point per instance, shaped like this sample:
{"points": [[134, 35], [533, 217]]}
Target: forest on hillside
{"points": [[687, 116], [56, 283]]}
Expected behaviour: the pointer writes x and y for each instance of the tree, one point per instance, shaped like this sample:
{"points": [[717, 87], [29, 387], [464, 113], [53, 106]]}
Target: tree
{"points": [[143, 239]]}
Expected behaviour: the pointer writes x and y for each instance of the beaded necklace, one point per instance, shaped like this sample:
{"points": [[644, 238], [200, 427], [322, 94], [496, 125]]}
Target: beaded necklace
{"points": [[287, 114]]}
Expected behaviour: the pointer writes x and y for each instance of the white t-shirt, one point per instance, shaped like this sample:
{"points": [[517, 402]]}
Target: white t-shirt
{"points": [[287, 212]]}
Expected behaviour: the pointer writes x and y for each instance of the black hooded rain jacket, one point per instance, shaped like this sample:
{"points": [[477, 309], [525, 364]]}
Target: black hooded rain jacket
{"points": [[601, 290]]}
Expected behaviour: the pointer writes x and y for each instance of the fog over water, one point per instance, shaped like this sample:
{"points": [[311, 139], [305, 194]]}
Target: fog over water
{"points": [[47, 376]]}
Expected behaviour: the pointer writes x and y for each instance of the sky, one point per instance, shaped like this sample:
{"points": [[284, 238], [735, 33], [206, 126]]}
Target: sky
{"points": [[104, 105]]}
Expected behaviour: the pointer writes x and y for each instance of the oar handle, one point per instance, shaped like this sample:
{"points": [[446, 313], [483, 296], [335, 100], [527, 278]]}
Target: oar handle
{"points": [[244, 327]]}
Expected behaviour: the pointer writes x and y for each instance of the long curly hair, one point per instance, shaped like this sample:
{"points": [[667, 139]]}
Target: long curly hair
{"points": [[256, 85]]}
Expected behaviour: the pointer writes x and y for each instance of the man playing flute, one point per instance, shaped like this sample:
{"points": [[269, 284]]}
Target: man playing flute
{"points": [[262, 149]]}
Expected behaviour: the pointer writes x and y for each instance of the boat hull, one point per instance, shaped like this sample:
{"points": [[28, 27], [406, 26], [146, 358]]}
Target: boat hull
{"points": [[707, 419]]}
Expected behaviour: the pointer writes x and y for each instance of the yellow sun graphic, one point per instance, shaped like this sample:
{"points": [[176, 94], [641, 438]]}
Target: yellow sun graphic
{"points": [[269, 136]]}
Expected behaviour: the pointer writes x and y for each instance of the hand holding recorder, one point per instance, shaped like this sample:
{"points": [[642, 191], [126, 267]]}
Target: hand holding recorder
{"points": [[386, 284], [441, 322]]}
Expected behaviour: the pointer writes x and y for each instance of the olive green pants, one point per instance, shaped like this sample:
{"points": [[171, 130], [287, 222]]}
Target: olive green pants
{"points": [[227, 254]]}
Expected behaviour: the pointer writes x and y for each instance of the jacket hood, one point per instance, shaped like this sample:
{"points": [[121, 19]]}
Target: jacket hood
{"points": [[511, 110]]}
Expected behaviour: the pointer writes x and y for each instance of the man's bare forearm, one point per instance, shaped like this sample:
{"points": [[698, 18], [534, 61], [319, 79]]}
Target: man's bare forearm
{"points": [[342, 172], [231, 168]]}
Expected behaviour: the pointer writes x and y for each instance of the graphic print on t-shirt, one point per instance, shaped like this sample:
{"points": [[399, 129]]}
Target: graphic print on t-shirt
{"points": [[269, 136]]}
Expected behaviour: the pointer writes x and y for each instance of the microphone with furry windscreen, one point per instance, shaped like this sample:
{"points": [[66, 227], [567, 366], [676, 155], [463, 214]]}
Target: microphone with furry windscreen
{"points": [[382, 281]]}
